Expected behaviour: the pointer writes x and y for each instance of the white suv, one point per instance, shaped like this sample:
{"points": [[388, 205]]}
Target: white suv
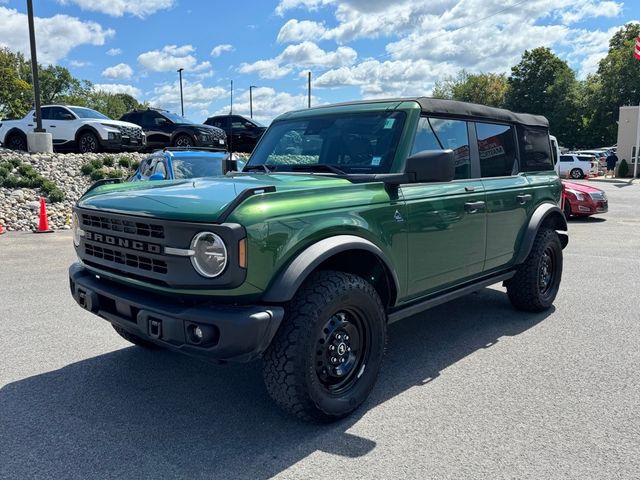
{"points": [[576, 166], [78, 128]]}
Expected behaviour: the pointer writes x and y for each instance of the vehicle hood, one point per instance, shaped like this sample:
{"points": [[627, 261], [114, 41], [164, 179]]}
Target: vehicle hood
{"points": [[114, 123], [199, 199], [580, 187]]}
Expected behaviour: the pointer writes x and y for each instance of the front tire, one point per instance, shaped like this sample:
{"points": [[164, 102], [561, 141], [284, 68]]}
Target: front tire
{"points": [[577, 173], [17, 142], [567, 209], [537, 281], [183, 141], [88, 143], [325, 358]]}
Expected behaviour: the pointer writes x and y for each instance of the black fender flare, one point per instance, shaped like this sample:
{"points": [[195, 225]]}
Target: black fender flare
{"points": [[546, 212], [288, 280], [13, 131], [83, 129], [182, 131]]}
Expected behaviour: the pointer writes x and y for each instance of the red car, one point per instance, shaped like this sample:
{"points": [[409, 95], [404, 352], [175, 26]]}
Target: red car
{"points": [[583, 200]]}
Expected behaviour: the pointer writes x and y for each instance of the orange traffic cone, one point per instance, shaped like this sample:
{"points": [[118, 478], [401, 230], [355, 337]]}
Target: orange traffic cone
{"points": [[43, 226], [1, 229]]}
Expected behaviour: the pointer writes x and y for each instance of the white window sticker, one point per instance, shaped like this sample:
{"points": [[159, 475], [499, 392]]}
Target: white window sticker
{"points": [[375, 161], [389, 123]]}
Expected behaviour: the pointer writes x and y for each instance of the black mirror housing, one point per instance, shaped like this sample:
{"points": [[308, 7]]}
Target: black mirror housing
{"points": [[431, 166]]}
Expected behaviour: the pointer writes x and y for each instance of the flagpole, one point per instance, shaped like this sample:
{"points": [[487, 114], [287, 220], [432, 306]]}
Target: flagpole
{"points": [[635, 165]]}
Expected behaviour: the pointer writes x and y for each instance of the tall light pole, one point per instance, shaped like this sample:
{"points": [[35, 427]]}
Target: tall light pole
{"points": [[181, 101], [251, 87], [309, 90], [38, 140]]}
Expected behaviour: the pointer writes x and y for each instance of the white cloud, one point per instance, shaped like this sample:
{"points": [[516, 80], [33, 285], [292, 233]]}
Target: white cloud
{"points": [[56, 36], [220, 49], [118, 8], [196, 95], [297, 31], [171, 57], [303, 55], [118, 88], [79, 63], [582, 10], [117, 72], [112, 52]]}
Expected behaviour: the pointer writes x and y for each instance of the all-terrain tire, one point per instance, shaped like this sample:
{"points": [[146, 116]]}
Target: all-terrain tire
{"points": [[537, 281], [136, 340], [300, 371]]}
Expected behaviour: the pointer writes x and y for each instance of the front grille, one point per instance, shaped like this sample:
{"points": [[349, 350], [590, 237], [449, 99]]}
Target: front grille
{"points": [[134, 133], [142, 229], [131, 260]]}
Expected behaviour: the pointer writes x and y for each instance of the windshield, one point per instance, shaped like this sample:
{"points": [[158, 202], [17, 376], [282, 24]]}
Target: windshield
{"points": [[353, 143], [194, 167], [82, 112], [177, 119]]}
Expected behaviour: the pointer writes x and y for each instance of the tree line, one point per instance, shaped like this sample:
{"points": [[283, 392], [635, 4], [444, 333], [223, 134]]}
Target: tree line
{"points": [[57, 85], [581, 113]]}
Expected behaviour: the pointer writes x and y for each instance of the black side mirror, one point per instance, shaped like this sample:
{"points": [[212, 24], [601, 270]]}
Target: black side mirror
{"points": [[431, 166]]}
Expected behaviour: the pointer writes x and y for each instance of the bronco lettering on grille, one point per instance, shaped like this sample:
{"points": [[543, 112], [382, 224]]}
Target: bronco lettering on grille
{"points": [[124, 242]]}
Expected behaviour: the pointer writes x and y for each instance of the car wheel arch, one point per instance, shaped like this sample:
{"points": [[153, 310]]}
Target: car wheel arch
{"points": [[546, 215], [14, 131], [87, 129], [346, 253]]}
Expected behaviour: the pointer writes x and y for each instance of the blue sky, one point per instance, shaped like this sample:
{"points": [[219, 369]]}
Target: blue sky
{"points": [[354, 48]]}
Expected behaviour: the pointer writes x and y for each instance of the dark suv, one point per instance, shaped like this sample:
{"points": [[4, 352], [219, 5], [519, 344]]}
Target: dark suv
{"points": [[243, 134], [164, 129]]}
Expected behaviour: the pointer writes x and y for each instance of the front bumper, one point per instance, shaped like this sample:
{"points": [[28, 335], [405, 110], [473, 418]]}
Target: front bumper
{"points": [[230, 333], [586, 208], [122, 144]]}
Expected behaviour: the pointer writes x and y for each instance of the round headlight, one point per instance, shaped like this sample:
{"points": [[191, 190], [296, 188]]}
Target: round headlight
{"points": [[210, 254], [75, 227]]}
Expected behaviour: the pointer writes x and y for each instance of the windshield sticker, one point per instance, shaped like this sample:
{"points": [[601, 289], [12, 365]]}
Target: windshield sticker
{"points": [[389, 123], [375, 161]]}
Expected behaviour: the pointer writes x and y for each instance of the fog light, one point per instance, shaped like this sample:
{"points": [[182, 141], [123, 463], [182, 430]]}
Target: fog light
{"points": [[198, 333]]}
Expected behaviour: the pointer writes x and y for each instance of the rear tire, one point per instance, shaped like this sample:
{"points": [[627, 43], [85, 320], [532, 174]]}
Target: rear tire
{"points": [[136, 340], [537, 281], [325, 358], [567, 209]]}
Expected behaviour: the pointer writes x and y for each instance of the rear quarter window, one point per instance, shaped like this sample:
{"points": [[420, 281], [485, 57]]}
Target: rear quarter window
{"points": [[535, 149]]}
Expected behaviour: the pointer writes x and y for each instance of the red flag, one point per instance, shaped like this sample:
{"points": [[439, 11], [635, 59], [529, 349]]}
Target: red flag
{"points": [[636, 52]]}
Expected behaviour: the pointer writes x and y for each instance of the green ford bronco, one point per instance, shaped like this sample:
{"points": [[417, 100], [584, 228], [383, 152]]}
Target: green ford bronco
{"points": [[346, 218]]}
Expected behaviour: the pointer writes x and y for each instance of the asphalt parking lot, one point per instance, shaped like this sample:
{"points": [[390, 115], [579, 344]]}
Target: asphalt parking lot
{"points": [[471, 389]]}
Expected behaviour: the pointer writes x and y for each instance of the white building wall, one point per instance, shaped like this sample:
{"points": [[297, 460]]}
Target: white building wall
{"points": [[627, 122]]}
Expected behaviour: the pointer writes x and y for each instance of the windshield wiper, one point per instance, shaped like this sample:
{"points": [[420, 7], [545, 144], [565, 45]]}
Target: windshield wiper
{"points": [[318, 167], [259, 166]]}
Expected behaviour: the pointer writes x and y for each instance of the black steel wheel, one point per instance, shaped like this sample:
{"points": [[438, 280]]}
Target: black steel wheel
{"points": [[537, 281], [88, 143], [17, 142], [183, 141], [325, 358]]}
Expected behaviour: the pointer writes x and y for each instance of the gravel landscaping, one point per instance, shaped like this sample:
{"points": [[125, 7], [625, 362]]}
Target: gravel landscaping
{"points": [[19, 207]]}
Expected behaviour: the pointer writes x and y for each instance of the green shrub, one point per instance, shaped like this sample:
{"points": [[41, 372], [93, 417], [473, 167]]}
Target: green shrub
{"points": [[4, 172], [115, 174], [623, 169], [56, 195], [15, 162], [10, 182], [48, 186], [97, 175], [135, 164], [107, 161], [96, 163], [87, 168], [124, 162]]}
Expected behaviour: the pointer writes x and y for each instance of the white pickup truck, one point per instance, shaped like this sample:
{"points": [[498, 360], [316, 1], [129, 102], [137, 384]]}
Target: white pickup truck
{"points": [[74, 128]]}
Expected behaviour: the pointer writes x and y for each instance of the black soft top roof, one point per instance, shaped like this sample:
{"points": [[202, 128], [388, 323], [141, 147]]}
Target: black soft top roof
{"points": [[475, 111]]}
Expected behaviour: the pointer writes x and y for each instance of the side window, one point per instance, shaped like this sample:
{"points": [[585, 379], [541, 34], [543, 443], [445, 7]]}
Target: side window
{"points": [[497, 149], [46, 113], [133, 118], [149, 119], [238, 124], [535, 149], [58, 113], [566, 158], [160, 168], [438, 134]]}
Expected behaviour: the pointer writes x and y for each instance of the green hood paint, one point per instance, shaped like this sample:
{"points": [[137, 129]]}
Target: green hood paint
{"points": [[197, 200]]}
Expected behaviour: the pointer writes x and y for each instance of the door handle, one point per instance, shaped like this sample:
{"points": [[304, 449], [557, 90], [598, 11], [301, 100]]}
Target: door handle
{"points": [[522, 199], [52, 126], [469, 189], [474, 207]]}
